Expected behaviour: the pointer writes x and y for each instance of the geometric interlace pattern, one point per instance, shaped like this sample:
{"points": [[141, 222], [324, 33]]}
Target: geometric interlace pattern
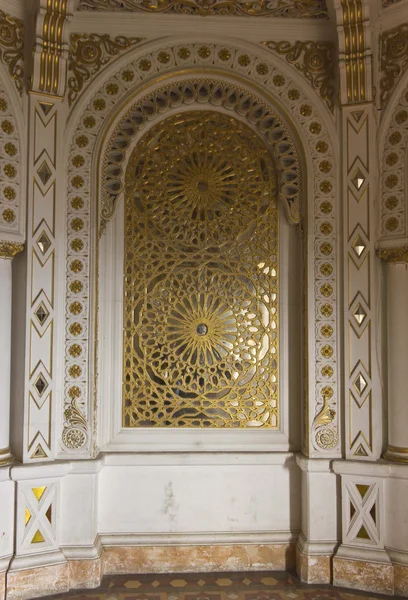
{"points": [[201, 277]]}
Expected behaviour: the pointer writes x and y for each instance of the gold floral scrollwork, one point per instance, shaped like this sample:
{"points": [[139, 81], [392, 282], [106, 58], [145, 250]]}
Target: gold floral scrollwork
{"points": [[90, 53], [12, 48], [10, 249], [396, 254], [315, 60], [74, 435], [251, 8], [394, 60]]}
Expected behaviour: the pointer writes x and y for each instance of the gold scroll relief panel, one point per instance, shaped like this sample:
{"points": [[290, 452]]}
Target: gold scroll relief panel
{"points": [[201, 277]]}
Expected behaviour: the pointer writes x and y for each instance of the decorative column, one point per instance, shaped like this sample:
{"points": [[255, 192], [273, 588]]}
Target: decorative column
{"points": [[7, 251], [396, 259]]}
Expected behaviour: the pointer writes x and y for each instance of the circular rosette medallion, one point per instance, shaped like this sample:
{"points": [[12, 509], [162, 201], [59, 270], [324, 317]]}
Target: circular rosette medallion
{"points": [[202, 332], [204, 182]]}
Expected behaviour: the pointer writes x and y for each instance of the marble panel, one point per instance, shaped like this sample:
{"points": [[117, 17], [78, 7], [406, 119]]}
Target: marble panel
{"points": [[363, 575], [85, 574], [185, 559], [401, 580], [37, 582], [313, 568]]}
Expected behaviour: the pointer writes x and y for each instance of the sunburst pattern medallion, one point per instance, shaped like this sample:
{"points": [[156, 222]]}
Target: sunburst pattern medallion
{"points": [[201, 281]]}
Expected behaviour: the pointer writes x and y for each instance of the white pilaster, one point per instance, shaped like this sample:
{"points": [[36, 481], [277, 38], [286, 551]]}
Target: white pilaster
{"points": [[397, 338], [5, 362]]}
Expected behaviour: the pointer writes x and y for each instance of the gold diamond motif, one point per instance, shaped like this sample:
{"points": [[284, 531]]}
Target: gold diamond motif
{"points": [[43, 242], [360, 384], [359, 246], [359, 314], [44, 173], [40, 385], [42, 313], [358, 180]]}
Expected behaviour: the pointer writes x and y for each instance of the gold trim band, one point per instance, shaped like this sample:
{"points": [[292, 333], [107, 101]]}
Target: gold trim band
{"points": [[10, 249]]}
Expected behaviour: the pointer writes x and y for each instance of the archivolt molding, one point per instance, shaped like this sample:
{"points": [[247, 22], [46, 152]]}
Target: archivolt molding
{"points": [[182, 64], [88, 54], [393, 177], [12, 48], [201, 91], [10, 166], [315, 60]]}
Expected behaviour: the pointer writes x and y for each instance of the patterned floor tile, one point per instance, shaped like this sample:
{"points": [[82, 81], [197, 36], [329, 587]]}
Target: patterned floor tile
{"points": [[212, 586]]}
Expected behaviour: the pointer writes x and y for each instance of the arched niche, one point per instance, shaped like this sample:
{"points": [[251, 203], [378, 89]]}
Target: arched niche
{"points": [[305, 125]]}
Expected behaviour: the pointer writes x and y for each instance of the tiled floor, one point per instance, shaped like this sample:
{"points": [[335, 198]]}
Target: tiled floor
{"points": [[212, 586]]}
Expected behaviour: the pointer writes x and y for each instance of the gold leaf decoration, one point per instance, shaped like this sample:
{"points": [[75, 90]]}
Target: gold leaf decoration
{"points": [[396, 254], [88, 54], [249, 8], [12, 48], [315, 60], [326, 415], [394, 60]]}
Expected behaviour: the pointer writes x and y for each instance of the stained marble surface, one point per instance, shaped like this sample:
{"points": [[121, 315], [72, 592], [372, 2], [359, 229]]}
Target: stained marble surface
{"points": [[269, 585]]}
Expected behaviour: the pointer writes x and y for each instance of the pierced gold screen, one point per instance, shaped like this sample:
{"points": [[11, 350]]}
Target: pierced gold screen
{"points": [[201, 277]]}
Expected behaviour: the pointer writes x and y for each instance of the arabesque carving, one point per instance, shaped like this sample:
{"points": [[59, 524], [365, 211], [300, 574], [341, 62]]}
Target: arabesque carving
{"points": [[90, 53], [394, 60], [12, 48], [253, 8], [315, 60]]}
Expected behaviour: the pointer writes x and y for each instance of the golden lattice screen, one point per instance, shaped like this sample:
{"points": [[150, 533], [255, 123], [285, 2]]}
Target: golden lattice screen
{"points": [[201, 277]]}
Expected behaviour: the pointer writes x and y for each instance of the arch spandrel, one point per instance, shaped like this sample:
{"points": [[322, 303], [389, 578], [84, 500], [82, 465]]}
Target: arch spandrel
{"points": [[309, 124]]}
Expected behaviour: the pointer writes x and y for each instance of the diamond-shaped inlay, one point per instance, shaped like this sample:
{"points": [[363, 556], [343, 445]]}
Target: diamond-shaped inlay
{"points": [[359, 245], [40, 385], [358, 180], [269, 581], [44, 172], [223, 582], [43, 242], [359, 314], [41, 313], [46, 107], [178, 583], [360, 384], [133, 584]]}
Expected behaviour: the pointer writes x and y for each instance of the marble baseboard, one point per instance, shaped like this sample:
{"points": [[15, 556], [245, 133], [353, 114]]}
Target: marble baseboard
{"points": [[313, 568], [363, 575], [3, 585], [190, 559], [85, 573], [38, 581], [401, 580]]}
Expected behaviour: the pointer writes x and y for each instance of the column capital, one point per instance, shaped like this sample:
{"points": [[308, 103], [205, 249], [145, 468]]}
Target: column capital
{"points": [[10, 249], [394, 254]]}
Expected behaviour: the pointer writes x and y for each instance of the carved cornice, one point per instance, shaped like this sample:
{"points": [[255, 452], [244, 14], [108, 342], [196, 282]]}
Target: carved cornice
{"points": [[315, 61], [394, 60], [88, 54], [355, 54], [12, 48], [10, 249], [263, 8], [395, 254]]}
